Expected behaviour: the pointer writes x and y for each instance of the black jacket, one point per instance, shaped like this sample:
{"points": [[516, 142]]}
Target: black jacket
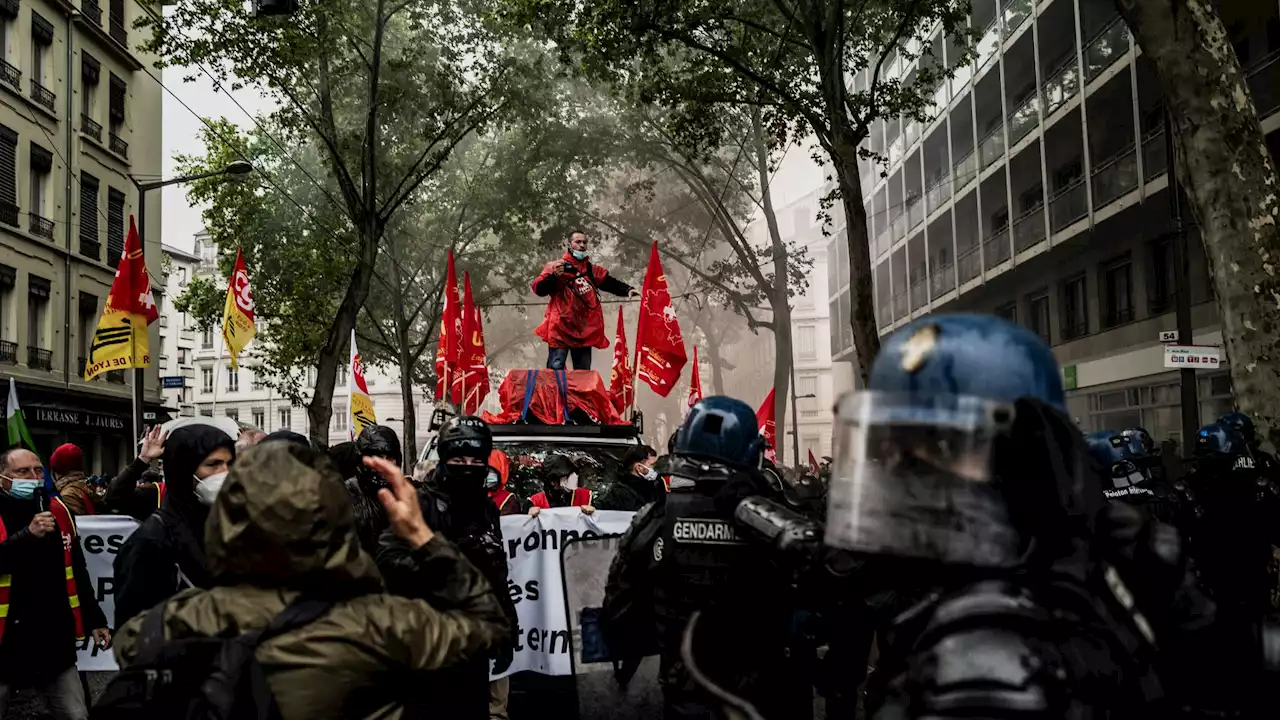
{"points": [[39, 632], [125, 496], [166, 553], [628, 493]]}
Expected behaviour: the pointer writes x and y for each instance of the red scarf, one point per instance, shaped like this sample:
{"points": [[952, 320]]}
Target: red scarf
{"points": [[67, 529], [581, 498]]}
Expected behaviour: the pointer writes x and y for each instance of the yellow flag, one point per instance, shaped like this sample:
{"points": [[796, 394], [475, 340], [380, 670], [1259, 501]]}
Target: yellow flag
{"points": [[121, 340], [238, 326], [362, 415]]}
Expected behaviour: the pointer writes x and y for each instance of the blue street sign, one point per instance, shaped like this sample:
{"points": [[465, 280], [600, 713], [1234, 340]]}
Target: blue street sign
{"points": [[174, 381]]}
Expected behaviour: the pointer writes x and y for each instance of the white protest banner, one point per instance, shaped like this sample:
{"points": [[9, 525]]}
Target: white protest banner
{"points": [[533, 564], [101, 537]]}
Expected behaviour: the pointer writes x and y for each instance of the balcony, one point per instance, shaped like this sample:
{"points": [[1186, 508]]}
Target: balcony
{"points": [[942, 280], [1068, 205], [1155, 156], [989, 44], [970, 263], [939, 192], [39, 359], [118, 146], [900, 305], [1028, 229], [40, 226], [915, 211], [8, 352], [1024, 119], [92, 11], [1263, 80], [43, 96], [1115, 177], [965, 170], [10, 74], [8, 214], [187, 335], [995, 249], [91, 249], [1105, 48], [991, 146], [1061, 87], [919, 294], [1016, 12], [118, 31], [90, 128]]}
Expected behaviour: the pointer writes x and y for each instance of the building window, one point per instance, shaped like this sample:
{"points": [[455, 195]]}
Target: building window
{"points": [[806, 343], [259, 417], [1161, 283], [41, 166], [206, 338], [1156, 406], [37, 318], [311, 377], [286, 416], [342, 376], [8, 176], [256, 383], [1117, 292], [340, 418], [206, 379], [115, 226], [182, 356], [8, 276], [206, 410], [41, 39], [1008, 311], [88, 324], [115, 112], [89, 243], [1075, 308], [233, 380], [1038, 318], [234, 414], [90, 71]]}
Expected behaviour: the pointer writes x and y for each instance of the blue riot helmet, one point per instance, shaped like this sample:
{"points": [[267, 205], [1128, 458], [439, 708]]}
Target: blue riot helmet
{"points": [[1114, 456], [927, 457], [1140, 442], [1242, 424], [721, 430], [1218, 440]]}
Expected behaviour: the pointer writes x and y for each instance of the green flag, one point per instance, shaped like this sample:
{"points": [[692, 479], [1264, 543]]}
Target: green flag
{"points": [[17, 425]]}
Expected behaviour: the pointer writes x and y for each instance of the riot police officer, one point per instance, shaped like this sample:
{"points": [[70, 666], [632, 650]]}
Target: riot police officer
{"points": [[1131, 472], [682, 555], [1266, 463]]}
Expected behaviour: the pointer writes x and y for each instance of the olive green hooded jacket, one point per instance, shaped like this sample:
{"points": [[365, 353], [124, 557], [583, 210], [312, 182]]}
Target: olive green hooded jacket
{"points": [[282, 525]]}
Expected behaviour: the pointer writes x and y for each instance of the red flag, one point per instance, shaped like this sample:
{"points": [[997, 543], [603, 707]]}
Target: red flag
{"points": [[473, 369], [620, 388], [813, 464], [450, 331], [768, 427], [658, 340], [695, 381], [121, 340]]}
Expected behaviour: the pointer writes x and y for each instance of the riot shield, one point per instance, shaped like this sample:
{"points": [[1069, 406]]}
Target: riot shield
{"points": [[585, 563]]}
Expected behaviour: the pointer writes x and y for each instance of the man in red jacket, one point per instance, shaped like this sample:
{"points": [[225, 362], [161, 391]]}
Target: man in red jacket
{"points": [[574, 322]]}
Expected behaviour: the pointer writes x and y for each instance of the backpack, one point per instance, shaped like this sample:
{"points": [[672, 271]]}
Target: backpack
{"points": [[206, 678]]}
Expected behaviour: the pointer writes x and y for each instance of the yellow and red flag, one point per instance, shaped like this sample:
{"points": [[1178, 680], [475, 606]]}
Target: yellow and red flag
{"points": [[473, 369], [238, 326], [358, 401], [450, 340], [658, 339], [620, 388], [768, 427], [121, 340], [695, 382]]}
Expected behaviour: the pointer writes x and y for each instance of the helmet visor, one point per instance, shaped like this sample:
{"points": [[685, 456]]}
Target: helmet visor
{"points": [[913, 477]]}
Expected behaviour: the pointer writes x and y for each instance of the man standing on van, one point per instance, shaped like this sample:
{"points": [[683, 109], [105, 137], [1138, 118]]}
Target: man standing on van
{"points": [[574, 322]]}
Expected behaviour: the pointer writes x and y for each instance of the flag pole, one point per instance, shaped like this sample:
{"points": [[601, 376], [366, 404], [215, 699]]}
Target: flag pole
{"points": [[217, 362]]}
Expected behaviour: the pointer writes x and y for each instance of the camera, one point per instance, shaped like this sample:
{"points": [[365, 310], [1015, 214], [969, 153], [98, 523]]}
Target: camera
{"points": [[569, 269]]}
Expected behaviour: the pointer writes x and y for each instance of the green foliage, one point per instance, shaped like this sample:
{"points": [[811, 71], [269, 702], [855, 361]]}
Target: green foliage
{"points": [[204, 301]]}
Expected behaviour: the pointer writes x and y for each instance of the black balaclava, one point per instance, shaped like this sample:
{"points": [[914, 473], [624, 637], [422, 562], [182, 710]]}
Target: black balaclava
{"points": [[464, 437], [184, 450], [377, 441], [347, 458], [555, 469]]}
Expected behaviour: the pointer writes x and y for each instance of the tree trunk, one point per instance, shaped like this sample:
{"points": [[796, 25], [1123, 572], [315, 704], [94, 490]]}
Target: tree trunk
{"points": [[404, 350], [716, 362], [862, 309], [1228, 175], [779, 298]]}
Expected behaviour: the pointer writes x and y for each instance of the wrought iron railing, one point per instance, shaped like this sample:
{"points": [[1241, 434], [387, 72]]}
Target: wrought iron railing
{"points": [[39, 358], [1155, 156], [40, 226], [991, 146], [1109, 45], [10, 74], [1068, 205], [91, 128], [1061, 86], [995, 249], [1028, 229], [8, 352], [43, 96], [1115, 177], [969, 262], [117, 145]]}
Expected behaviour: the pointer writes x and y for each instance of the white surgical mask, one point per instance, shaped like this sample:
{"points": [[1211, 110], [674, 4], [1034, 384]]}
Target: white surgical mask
{"points": [[207, 489], [651, 475], [571, 482]]}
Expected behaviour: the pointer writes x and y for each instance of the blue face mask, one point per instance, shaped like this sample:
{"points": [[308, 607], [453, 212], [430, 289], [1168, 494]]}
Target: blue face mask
{"points": [[579, 255], [24, 489]]}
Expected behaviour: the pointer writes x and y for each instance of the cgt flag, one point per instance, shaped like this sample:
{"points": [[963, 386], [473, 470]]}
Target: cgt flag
{"points": [[765, 419], [450, 339], [695, 381], [238, 326], [121, 340], [472, 385], [814, 467], [658, 340], [620, 388], [358, 395]]}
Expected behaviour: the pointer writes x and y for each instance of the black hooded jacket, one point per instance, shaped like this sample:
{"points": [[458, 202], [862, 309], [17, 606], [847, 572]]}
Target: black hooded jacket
{"points": [[166, 553]]}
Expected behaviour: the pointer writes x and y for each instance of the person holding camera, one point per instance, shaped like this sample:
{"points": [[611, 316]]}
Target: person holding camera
{"points": [[574, 322]]}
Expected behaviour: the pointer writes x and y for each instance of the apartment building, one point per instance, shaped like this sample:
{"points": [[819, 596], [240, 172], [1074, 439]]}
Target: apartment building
{"points": [[243, 394], [79, 116], [176, 351], [1039, 192]]}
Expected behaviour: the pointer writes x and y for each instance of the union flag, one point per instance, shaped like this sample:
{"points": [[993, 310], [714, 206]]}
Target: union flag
{"points": [[660, 343]]}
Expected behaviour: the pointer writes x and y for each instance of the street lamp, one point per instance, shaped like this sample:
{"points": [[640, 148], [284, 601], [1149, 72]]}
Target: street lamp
{"points": [[237, 167]]}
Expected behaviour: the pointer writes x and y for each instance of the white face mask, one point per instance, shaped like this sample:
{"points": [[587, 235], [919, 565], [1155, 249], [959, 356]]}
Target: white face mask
{"points": [[207, 489], [570, 482], [650, 474]]}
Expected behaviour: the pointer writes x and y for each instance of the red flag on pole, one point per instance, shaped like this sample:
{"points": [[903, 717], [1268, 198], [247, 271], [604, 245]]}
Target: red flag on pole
{"points": [[768, 427], [695, 381], [813, 464], [658, 340], [450, 331], [620, 388], [472, 377]]}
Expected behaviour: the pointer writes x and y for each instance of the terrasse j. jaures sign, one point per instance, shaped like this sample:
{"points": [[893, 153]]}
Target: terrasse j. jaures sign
{"points": [[77, 419]]}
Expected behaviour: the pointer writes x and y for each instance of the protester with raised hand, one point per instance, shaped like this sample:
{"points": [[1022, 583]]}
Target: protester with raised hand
{"points": [[128, 494]]}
